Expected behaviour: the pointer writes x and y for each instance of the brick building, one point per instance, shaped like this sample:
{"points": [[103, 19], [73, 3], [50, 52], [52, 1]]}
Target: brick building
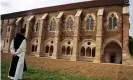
{"points": [[94, 31]]}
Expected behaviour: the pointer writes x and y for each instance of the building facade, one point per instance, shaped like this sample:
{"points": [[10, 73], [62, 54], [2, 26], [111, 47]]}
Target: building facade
{"points": [[90, 31]]}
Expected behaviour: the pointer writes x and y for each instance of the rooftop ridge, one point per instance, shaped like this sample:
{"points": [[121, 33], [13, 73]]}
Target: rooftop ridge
{"points": [[85, 4]]}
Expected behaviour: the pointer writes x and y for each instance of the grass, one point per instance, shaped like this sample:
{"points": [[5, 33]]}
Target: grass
{"points": [[38, 74]]}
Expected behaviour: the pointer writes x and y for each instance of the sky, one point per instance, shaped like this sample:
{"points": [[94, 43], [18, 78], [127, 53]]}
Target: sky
{"points": [[9, 6]]}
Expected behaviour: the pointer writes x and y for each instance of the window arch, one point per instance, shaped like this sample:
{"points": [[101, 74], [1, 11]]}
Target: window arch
{"points": [[90, 23], [112, 21], [82, 52], [88, 52], [69, 24], [47, 49], [52, 25], [68, 50], [63, 50]]}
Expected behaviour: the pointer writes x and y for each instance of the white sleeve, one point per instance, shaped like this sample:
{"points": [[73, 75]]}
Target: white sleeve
{"points": [[22, 48], [12, 47]]}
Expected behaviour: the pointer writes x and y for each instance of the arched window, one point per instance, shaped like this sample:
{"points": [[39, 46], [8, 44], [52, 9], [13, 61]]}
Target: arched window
{"points": [[69, 24], [93, 52], [47, 49], [63, 50], [82, 51], [33, 47], [112, 22], [51, 50], [88, 52], [90, 23], [68, 50], [52, 25]]}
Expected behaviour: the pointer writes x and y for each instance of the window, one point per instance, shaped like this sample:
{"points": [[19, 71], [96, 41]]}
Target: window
{"points": [[63, 50], [47, 49], [52, 25], [112, 22], [93, 52], [68, 50], [33, 48], [51, 50], [88, 52], [82, 52], [90, 23], [69, 24]]}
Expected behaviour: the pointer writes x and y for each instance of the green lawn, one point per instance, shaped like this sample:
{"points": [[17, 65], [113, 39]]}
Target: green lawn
{"points": [[38, 74]]}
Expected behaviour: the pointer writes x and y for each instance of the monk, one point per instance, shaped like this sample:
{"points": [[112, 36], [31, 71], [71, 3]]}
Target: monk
{"points": [[18, 49]]}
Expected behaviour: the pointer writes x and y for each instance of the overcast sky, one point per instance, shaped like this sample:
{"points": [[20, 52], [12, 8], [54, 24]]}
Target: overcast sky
{"points": [[9, 6]]}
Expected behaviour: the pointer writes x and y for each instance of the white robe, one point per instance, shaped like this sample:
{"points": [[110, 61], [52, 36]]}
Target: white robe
{"points": [[21, 53]]}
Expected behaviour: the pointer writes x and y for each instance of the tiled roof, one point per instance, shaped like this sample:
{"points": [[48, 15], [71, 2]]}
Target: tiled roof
{"points": [[86, 4]]}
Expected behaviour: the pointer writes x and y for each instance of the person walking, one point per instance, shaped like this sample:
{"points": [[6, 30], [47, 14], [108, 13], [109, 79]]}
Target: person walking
{"points": [[18, 49]]}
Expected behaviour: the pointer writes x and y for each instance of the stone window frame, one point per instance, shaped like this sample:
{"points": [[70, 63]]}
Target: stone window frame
{"points": [[34, 45], [94, 21], [84, 44], [117, 17], [71, 19], [52, 25], [49, 43], [65, 44]]}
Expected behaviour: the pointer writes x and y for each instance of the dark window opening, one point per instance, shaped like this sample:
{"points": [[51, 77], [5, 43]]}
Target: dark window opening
{"points": [[88, 52], [63, 50], [68, 42], [51, 50], [112, 58], [93, 52], [89, 43], [33, 48], [47, 49], [82, 52], [68, 50]]}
